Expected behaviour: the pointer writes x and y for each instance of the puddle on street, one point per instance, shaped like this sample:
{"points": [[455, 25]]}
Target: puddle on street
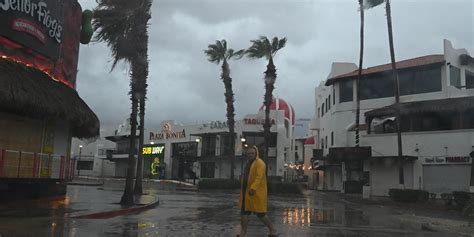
{"points": [[310, 216]]}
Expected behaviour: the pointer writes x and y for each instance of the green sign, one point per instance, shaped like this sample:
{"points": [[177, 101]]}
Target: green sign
{"points": [[154, 154]]}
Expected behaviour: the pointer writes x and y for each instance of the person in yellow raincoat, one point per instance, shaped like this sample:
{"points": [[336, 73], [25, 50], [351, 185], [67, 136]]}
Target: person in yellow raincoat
{"points": [[253, 192]]}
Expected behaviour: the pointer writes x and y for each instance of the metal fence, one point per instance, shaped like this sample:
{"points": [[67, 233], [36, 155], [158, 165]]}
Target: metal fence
{"points": [[30, 165]]}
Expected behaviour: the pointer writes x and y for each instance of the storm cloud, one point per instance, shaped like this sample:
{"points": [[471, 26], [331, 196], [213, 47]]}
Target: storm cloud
{"points": [[185, 87]]}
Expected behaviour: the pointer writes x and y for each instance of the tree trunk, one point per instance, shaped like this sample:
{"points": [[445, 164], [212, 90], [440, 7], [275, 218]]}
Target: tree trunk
{"points": [[270, 78], [361, 60], [229, 98], [401, 178], [127, 197], [142, 57], [139, 179]]}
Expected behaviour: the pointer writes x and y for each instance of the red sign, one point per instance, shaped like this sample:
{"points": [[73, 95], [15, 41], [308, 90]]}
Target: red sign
{"points": [[256, 121], [30, 28], [43, 34], [457, 159]]}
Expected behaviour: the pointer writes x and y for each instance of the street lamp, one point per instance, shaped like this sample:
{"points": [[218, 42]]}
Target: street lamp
{"points": [[198, 140], [79, 160], [242, 140]]}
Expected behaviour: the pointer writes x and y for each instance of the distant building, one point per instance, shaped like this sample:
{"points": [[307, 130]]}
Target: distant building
{"points": [[437, 114], [202, 150]]}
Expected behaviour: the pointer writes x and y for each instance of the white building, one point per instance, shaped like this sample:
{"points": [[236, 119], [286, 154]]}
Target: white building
{"points": [[202, 150], [437, 114]]}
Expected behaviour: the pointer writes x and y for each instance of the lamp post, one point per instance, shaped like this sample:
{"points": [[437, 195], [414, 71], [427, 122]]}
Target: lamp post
{"points": [[242, 140], [79, 160]]}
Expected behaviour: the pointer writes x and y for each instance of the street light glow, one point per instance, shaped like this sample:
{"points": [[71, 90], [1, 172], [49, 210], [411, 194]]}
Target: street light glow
{"points": [[242, 139], [198, 140], [80, 146], [153, 143]]}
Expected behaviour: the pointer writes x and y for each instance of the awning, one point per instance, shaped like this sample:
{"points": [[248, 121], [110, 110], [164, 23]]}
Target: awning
{"points": [[29, 92], [395, 157], [460, 104]]}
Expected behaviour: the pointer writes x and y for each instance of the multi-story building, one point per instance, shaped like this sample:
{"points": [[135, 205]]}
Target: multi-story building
{"points": [[437, 113], [202, 150]]}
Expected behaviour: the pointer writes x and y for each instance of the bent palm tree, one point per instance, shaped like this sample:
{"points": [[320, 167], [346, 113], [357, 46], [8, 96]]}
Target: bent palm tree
{"points": [[260, 48], [374, 3], [361, 60], [122, 25], [216, 53]]}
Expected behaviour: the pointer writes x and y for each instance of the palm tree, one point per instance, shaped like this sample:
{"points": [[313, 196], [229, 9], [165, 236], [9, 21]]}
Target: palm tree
{"points": [[361, 60], [370, 4], [122, 25], [143, 17], [216, 53], [262, 47]]}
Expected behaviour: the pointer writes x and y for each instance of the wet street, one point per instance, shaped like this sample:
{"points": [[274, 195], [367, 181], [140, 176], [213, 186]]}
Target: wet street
{"points": [[210, 213]]}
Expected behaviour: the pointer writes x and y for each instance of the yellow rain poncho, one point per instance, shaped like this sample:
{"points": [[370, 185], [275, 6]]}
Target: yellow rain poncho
{"points": [[257, 180]]}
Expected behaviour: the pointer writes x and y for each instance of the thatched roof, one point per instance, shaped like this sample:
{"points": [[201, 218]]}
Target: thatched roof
{"points": [[404, 64], [29, 92], [459, 104]]}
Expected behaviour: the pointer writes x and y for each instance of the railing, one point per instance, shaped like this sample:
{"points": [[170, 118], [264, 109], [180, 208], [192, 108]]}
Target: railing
{"points": [[21, 164]]}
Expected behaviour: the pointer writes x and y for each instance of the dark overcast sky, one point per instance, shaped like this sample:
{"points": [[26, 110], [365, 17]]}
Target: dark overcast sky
{"points": [[185, 87]]}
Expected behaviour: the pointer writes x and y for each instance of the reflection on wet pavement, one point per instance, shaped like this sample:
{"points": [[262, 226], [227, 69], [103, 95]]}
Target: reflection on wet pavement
{"points": [[211, 214]]}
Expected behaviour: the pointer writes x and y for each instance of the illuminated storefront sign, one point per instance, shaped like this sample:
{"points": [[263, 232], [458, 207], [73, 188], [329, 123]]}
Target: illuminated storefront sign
{"points": [[153, 155], [43, 34]]}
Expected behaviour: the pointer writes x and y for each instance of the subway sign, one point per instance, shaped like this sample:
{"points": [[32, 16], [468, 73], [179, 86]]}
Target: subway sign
{"points": [[155, 153]]}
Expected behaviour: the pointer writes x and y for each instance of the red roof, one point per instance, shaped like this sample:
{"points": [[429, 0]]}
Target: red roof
{"points": [[414, 62], [310, 141], [282, 105]]}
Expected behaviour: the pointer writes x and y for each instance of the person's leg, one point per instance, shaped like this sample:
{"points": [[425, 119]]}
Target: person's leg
{"points": [[244, 220], [264, 218]]}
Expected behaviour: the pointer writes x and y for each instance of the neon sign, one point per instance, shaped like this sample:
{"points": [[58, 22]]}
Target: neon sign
{"points": [[154, 154]]}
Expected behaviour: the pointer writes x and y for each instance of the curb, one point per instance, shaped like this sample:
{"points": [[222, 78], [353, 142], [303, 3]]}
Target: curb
{"points": [[144, 180], [121, 212], [84, 184]]}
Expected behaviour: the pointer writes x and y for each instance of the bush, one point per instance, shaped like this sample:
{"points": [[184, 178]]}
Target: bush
{"points": [[288, 188], [461, 198], [218, 184], [408, 195], [468, 209]]}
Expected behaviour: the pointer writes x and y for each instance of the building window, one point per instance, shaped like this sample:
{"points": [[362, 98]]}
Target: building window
{"points": [[469, 80], [322, 110], [326, 141], [329, 102], [85, 165], [184, 149], [332, 138], [455, 76], [373, 87], [208, 146], [420, 81], [207, 169], [327, 105], [225, 145], [346, 91], [322, 143], [333, 96], [319, 112]]}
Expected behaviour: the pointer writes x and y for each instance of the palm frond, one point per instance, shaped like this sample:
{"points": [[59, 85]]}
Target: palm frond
{"points": [[260, 48], [216, 52], [237, 55], [372, 3]]}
